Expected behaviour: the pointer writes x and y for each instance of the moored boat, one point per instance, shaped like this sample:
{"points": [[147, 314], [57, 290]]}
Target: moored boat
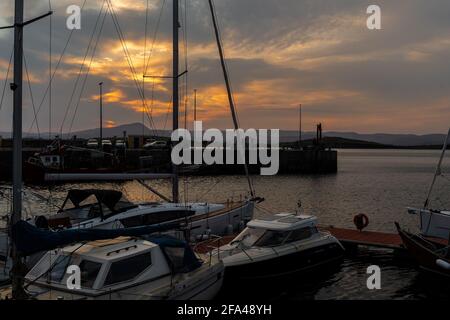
{"points": [[434, 223], [109, 209], [432, 256], [124, 268], [282, 245]]}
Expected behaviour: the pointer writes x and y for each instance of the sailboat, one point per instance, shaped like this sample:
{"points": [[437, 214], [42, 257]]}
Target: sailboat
{"points": [[431, 247], [109, 209], [209, 213], [125, 264], [154, 280], [434, 223], [431, 255]]}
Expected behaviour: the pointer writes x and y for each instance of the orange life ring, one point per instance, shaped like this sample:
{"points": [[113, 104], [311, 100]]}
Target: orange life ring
{"points": [[361, 221]]}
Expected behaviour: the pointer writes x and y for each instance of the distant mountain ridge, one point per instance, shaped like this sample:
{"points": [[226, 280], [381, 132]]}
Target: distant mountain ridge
{"points": [[403, 140]]}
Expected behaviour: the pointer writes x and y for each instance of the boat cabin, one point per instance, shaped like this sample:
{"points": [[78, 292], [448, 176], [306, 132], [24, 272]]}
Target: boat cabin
{"points": [[277, 230], [111, 265], [83, 205]]}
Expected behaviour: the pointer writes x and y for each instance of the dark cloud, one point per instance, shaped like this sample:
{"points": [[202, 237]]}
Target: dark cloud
{"points": [[281, 53]]}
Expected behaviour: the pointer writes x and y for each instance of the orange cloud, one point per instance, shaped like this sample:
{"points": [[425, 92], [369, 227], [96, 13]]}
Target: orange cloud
{"points": [[110, 123], [116, 95]]}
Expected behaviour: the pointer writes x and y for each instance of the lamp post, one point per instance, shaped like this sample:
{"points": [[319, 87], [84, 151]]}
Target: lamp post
{"points": [[300, 127], [101, 116], [195, 105]]}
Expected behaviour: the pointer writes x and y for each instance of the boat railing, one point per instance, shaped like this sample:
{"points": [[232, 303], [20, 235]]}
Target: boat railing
{"points": [[246, 253], [209, 245], [275, 251]]}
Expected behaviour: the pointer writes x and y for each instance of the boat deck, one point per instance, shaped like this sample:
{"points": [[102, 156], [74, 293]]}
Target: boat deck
{"points": [[367, 238], [370, 238]]}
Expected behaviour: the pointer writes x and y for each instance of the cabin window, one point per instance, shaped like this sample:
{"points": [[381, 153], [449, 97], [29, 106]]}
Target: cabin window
{"points": [[155, 218], [58, 270], [271, 239], [127, 269], [89, 272], [301, 234]]}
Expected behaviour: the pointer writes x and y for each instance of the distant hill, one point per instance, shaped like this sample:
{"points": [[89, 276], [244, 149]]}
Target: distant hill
{"points": [[131, 129], [341, 143], [401, 140]]}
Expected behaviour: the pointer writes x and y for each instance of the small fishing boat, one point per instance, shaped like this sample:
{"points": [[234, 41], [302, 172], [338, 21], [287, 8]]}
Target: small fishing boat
{"points": [[282, 245], [434, 223], [432, 256], [124, 268]]}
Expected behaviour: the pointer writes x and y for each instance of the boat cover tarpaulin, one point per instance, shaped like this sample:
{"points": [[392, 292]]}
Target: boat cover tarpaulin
{"points": [[108, 197], [178, 252], [28, 239]]}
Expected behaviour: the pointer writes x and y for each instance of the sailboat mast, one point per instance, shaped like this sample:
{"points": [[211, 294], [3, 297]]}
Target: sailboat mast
{"points": [[175, 98], [438, 170], [229, 91], [16, 86]]}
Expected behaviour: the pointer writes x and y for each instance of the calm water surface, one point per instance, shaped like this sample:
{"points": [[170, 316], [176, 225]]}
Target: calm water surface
{"points": [[379, 183]]}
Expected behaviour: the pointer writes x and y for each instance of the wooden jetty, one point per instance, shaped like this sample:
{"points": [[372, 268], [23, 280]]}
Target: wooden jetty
{"points": [[355, 238], [365, 238]]}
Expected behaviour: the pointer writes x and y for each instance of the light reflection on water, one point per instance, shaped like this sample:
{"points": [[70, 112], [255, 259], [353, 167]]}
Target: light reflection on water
{"points": [[380, 183]]}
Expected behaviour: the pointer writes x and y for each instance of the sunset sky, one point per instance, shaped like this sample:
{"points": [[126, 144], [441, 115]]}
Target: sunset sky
{"points": [[280, 53]]}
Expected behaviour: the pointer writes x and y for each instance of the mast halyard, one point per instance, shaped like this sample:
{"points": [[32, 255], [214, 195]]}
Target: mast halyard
{"points": [[175, 75]]}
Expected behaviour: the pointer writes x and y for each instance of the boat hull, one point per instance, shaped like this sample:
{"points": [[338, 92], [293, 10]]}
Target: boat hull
{"points": [[223, 222], [435, 224], [299, 263], [425, 252]]}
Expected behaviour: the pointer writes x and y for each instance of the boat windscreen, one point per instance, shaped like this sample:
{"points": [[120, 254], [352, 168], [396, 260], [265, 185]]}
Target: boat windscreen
{"points": [[248, 237], [272, 238], [57, 271]]}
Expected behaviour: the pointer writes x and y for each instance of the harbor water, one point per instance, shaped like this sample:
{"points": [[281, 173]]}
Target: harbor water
{"points": [[379, 183]]}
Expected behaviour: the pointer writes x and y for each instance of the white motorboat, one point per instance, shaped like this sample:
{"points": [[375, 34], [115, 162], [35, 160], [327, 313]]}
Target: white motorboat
{"points": [[155, 267], [281, 245]]}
